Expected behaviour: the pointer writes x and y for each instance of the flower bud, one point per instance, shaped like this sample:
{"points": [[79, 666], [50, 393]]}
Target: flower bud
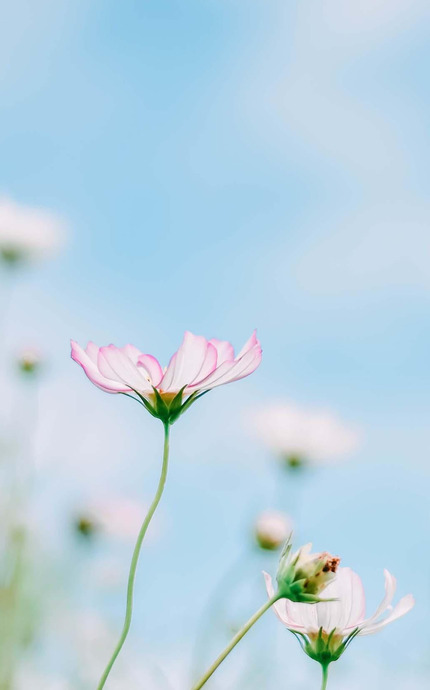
{"points": [[272, 528], [86, 526], [303, 575], [10, 255], [294, 461], [29, 361]]}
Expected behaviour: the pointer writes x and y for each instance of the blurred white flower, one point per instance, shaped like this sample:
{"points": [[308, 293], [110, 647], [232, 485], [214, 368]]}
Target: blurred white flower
{"points": [[272, 529], [29, 360], [303, 436], [117, 517], [28, 233]]}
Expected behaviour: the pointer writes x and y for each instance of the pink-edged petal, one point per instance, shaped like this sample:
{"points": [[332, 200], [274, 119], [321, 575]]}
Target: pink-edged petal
{"points": [[116, 365], [186, 363], [225, 350], [390, 590], [132, 352], [403, 607], [251, 343], [233, 371], [87, 360], [92, 350], [152, 367], [216, 378], [209, 365]]}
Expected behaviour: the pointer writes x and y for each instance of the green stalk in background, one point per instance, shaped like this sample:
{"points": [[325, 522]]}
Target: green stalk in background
{"points": [[135, 558]]}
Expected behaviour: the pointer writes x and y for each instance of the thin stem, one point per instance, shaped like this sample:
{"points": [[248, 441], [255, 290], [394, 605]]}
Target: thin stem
{"points": [[237, 638], [324, 668], [135, 558]]}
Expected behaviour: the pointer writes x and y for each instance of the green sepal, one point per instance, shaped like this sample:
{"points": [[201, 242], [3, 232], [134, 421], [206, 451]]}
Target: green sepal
{"points": [[160, 407], [148, 406], [193, 397], [167, 412], [142, 401], [176, 405], [324, 648]]}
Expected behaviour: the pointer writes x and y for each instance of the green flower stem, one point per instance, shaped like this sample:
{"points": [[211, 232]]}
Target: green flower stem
{"points": [[135, 558], [324, 668], [237, 638]]}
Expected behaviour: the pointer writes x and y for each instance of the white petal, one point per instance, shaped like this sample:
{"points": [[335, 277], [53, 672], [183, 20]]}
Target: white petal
{"points": [[402, 607], [280, 607], [350, 591], [88, 361], [304, 554], [302, 616], [347, 589], [390, 589]]}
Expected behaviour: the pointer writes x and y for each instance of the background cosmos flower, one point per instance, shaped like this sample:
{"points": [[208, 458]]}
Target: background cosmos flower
{"points": [[303, 435], [28, 233], [343, 616]]}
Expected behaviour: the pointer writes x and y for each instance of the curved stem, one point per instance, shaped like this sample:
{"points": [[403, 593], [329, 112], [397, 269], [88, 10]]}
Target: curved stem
{"points": [[237, 638], [324, 668], [135, 559]]}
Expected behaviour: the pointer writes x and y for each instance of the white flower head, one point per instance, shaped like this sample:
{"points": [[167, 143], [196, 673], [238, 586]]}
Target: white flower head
{"points": [[28, 233], [303, 436], [29, 361], [272, 529], [325, 629]]}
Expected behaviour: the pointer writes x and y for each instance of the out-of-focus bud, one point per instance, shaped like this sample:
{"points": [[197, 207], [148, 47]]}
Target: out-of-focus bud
{"points": [[29, 361], [10, 256], [27, 233], [86, 526], [302, 576], [272, 528], [294, 461]]}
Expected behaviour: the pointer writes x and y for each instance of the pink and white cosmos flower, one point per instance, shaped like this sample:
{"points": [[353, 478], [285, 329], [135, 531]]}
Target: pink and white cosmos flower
{"points": [[326, 628], [198, 366]]}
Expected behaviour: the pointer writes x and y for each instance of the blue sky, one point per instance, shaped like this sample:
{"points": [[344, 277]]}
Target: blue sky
{"points": [[224, 166]]}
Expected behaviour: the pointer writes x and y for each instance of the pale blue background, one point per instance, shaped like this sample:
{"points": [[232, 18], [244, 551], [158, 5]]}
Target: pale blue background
{"points": [[226, 165]]}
